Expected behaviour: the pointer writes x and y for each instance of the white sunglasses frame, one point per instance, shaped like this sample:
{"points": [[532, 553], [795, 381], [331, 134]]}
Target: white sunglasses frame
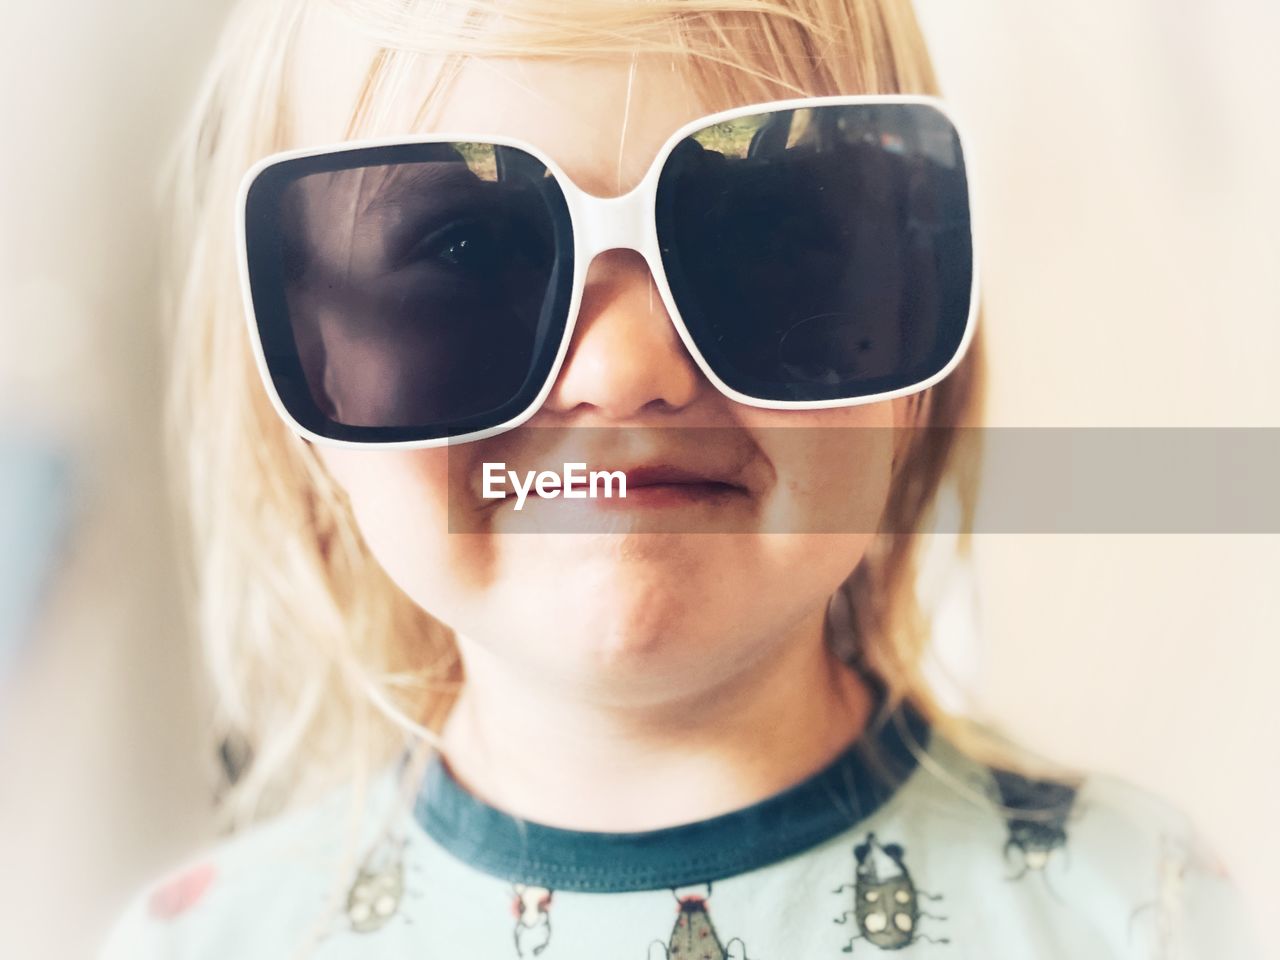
{"points": [[605, 223]]}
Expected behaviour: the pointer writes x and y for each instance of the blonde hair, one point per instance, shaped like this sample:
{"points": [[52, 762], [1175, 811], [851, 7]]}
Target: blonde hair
{"points": [[307, 639]]}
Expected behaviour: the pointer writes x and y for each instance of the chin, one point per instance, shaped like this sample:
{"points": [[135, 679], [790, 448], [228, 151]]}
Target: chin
{"points": [[631, 598], [630, 633]]}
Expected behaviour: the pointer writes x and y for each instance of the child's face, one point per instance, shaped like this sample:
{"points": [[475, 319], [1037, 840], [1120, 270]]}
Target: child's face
{"points": [[632, 616]]}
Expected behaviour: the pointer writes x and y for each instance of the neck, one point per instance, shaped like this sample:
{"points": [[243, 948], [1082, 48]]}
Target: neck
{"points": [[580, 764]]}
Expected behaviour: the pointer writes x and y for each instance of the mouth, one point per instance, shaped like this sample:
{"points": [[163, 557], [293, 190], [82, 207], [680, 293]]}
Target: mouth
{"points": [[571, 480], [659, 485], [618, 487]]}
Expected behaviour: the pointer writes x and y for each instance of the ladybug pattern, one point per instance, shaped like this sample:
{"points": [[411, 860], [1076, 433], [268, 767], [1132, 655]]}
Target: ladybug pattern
{"points": [[694, 937], [532, 909], [886, 902], [1036, 817]]}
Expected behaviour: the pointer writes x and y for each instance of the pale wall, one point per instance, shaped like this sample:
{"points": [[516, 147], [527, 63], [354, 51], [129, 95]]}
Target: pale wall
{"points": [[1126, 169]]}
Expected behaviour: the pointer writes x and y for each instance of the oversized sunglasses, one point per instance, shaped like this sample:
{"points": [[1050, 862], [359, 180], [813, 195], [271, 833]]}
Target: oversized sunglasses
{"points": [[813, 252]]}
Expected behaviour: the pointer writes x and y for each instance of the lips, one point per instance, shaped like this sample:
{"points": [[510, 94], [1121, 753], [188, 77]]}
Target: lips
{"points": [[658, 475], [668, 467], [647, 484], [662, 486]]}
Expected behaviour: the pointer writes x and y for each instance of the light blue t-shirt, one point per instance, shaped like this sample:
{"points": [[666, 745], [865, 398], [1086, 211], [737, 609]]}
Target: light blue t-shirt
{"points": [[917, 852]]}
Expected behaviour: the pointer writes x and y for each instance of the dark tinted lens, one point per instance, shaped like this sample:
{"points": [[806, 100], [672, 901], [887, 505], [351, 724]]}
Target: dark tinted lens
{"points": [[821, 253], [409, 292]]}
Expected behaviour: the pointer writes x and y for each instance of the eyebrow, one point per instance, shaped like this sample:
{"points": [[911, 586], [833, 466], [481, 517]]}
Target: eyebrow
{"points": [[420, 181]]}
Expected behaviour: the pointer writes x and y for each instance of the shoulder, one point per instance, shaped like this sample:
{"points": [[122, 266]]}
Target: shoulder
{"points": [[1042, 804], [1184, 901], [259, 893], [1100, 850]]}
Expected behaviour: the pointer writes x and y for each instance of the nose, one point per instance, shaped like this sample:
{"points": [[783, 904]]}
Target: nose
{"points": [[625, 358]]}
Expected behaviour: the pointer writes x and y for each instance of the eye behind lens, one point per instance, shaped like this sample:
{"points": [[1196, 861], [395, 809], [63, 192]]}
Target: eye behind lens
{"points": [[425, 311], [467, 244], [833, 263]]}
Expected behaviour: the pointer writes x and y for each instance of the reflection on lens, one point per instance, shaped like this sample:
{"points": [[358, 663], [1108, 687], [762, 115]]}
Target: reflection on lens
{"points": [[415, 295], [822, 253]]}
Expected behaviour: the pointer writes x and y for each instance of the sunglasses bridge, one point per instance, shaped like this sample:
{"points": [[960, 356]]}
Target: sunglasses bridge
{"points": [[614, 223]]}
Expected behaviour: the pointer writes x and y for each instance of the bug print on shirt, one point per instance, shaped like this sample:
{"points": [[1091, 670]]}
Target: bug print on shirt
{"points": [[1165, 912], [532, 909], [886, 902], [1036, 816], [694, 937], [376, 892]]}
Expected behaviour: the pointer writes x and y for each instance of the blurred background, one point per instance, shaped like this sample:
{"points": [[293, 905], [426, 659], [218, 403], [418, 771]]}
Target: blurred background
{"points": [[1124, 158]]}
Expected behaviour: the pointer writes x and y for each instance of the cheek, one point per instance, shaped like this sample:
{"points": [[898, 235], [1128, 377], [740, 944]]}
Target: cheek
{"points": [[834, 472], [833, 467], [401, 504]]}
